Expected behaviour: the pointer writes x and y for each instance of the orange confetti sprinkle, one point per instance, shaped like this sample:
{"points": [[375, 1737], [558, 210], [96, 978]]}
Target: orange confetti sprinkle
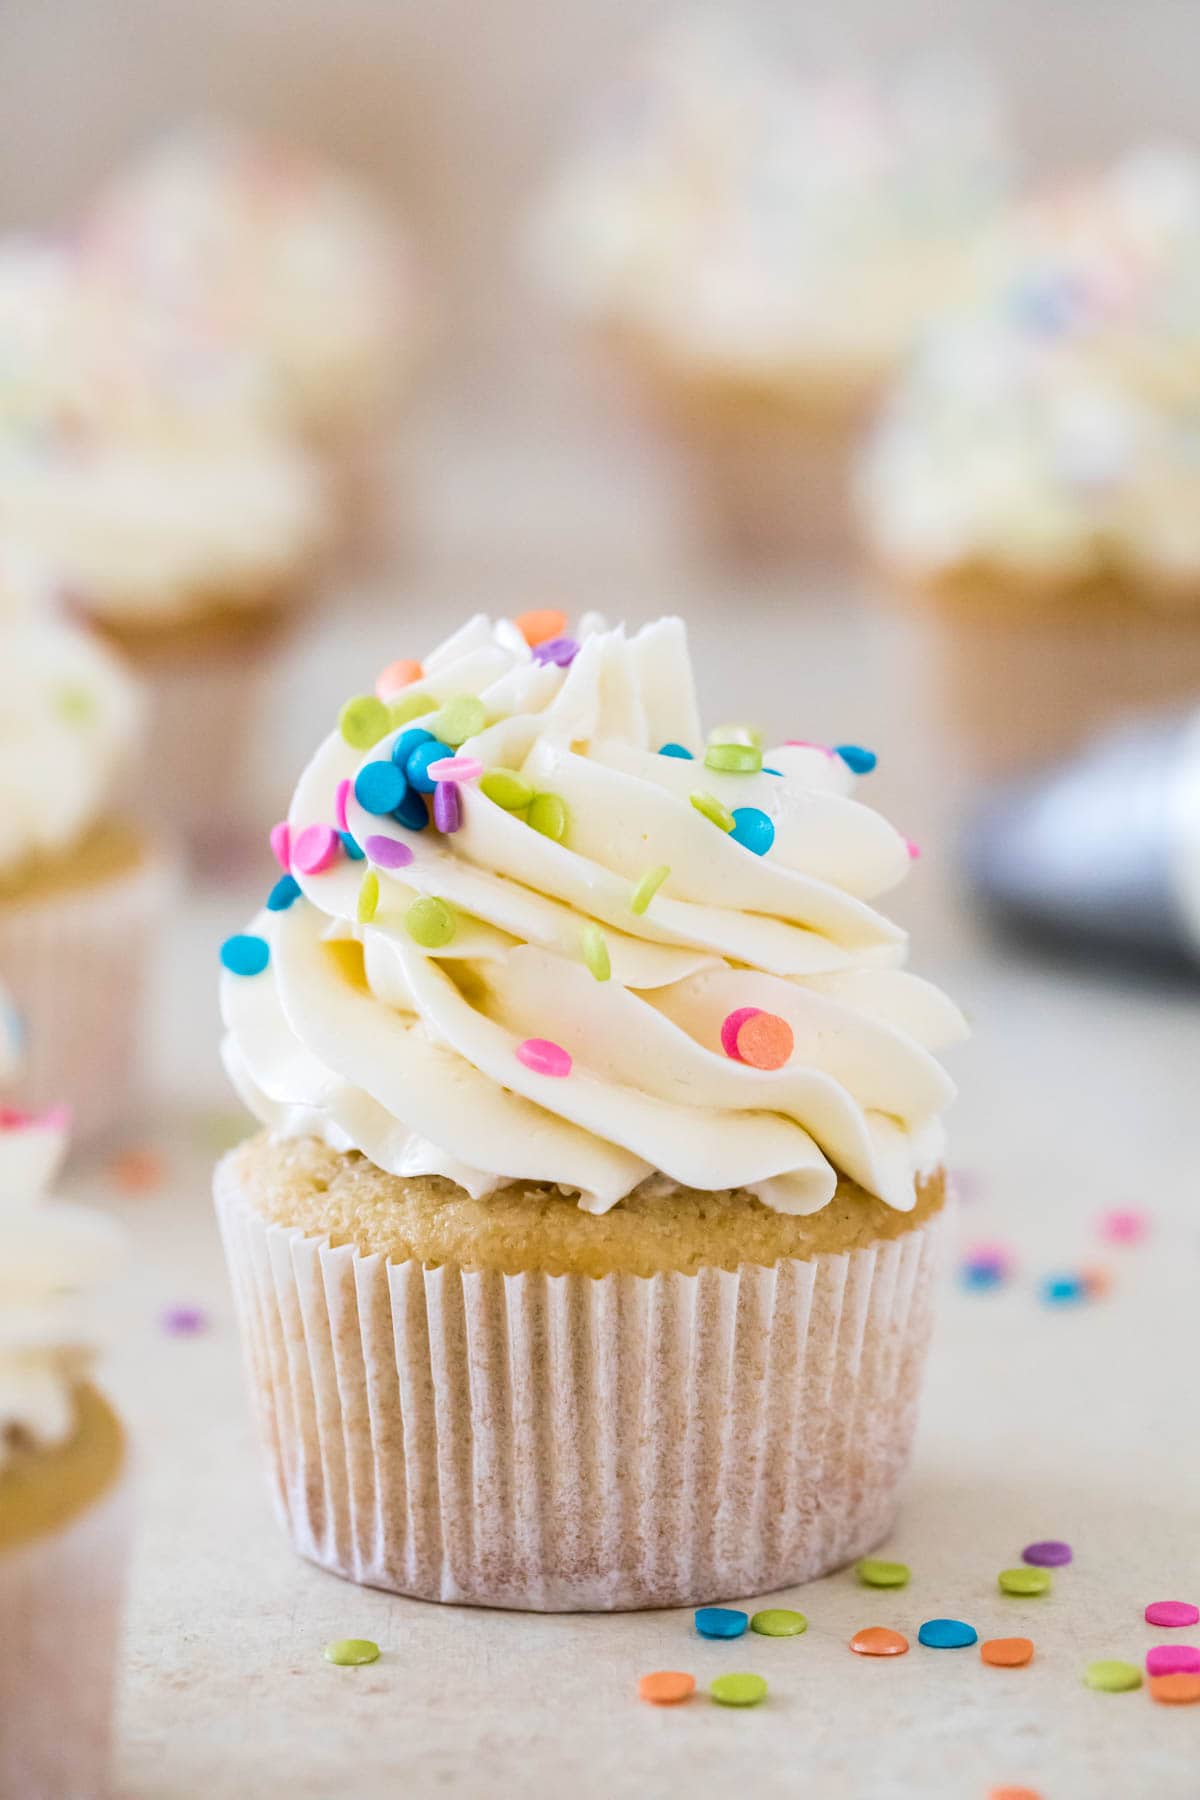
{"points": [[1012, 1793], [765, 1041], [139, 1171], [1097, 1281], [1007, 1653], [878, 1640], [666, 1687], [539, 627], [397, 675], [1175, 1690]]}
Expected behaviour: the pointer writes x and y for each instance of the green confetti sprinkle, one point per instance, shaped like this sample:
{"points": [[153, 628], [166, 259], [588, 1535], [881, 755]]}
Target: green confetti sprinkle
{"points": [[647, 887], [711, 807], [430, 922], [459, 719], [76, 704], [506, 788], [413, 706], [738, 1690], [595, 952], [873, 1572], [1024, 1581], [1112, 1676], [734, 759], [548, 814], [778, 1621], [368, 897], [363, 721], [350, 1653]]}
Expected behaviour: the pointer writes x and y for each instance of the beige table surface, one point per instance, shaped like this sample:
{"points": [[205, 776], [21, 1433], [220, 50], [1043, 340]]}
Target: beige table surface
{"points": [[1078, 1094]]}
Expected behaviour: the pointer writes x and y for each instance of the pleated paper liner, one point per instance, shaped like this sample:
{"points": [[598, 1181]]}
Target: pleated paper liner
{"points": [[560, 1443]]}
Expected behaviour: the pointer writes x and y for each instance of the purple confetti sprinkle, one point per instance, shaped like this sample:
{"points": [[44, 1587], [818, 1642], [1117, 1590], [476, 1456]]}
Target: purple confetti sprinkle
{"points": [[447, 806], [1051, 1553], [561, 651], [388, 853], [185, 1321]]}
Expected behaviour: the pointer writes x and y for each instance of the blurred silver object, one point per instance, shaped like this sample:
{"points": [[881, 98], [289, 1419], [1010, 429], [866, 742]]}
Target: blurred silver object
{"points": [[1103, 849]]}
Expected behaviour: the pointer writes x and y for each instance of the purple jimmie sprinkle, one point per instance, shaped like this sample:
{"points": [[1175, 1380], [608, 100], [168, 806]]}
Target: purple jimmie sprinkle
{"points": [[561, 651]]}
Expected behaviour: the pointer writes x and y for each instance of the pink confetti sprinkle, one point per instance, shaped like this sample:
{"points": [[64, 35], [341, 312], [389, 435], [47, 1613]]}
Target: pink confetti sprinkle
{"points": [[1172, 1612], [1173, 1659], [543, 1057], [315, 849], [913, 848], [339, 805], [732, 1025], [281, 845], [807, 744], [455, 768], [17, 1118], [990, 1256], [447, 806], [185, 1321], [388, 852], [1124, 1225]]}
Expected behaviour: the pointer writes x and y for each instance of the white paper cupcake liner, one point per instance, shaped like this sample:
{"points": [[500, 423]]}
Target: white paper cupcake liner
{"points": [[566, 1444], [60, 1617], [77, 964]]}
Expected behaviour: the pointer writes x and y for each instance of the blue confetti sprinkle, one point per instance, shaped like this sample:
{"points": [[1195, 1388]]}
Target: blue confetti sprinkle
{"points": [[947, 1634], [720, 1622], [350, 847], [981, 1275], [676, 750], [753, 829], [417, 766], [411, 812], [407, 742], [856, 758], [1063, 1290], [244, 954], [380, 787], [286, 889]]}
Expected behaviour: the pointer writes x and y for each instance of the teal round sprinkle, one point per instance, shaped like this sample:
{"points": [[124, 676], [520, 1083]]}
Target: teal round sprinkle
{"points": [[350, 847], [947, 1634], [245, 954], [412, 812], [711, 808], [407, 742], [647, 887], [734, 759], [350, 1653], [430, 923], [379, 787], [856, 758], [286, 889], [720, 1621], [461, 718], [363, 721], [753, 829], [548, 814], [678, 750], [595, 951], [417, 766], [507, 789]]}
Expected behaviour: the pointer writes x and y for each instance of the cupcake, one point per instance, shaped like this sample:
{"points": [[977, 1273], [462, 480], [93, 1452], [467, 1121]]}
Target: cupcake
{"points": [[1035, 482], [64, 1485], [220, 236], [82, 887], [585, 1258], [141, 487], [760, 247]]}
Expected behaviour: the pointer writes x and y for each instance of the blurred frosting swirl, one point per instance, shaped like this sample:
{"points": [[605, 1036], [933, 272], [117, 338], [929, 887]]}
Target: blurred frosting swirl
{"points": [[343, 1026]]}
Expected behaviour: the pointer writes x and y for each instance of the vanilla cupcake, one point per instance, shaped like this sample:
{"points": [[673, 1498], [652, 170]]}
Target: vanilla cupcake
{"points": [[64, 1485], [761, 246], [1035, 483], [82, 888], [585, 1260]]}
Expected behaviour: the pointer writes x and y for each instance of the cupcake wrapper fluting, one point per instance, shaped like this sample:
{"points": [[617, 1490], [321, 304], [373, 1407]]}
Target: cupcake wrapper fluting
{"points": [[561, 1443]]}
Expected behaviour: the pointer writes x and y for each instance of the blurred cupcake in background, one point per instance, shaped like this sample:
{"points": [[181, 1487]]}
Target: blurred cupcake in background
{"points": [[82, 886], [220, 237], [760, 246], [1035, 482], [65, 1510]]}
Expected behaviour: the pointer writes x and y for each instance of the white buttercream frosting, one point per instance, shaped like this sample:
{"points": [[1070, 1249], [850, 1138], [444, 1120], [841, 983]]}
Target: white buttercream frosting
{"points": [[747, 216], [356, 1033], [1051, 426]]}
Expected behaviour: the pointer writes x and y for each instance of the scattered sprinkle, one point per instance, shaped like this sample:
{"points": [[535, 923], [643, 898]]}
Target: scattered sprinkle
{"points": [[407, 742], [280, 840], [548, 814], [765, 1042], [878, 1640], [913, 848], [461, 718], [139, 1171], [1063, 1290], [666, 1687], [413, 706], [507, 789], [856, 758], [679, 750], [368, 897], [430, 922], [350, 846], [1007, 1653], [245, 954], [411, 812], [752, 829], [399, 674], [561, 651], [185, 1321], [282, 895], [647, 887], [416, 767], [544, 1057], [734, 759], [1048, 1553], [594, 946], [341, 800], [315, 848], [719, 1621], [1173, 1659], [738, 1690], [1125, 1225], [1111, 1676], [732, 1024], [363, 721], [778, 1621], [1175, 1690], [349, 1653], [947, 1634], [1096, 1281], [538, 626], [712, 809], [872, 1571], [388, 852], [1172, 1613], [1013, 1793], [456, 768], [1024, 1581], [447, 807]]}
